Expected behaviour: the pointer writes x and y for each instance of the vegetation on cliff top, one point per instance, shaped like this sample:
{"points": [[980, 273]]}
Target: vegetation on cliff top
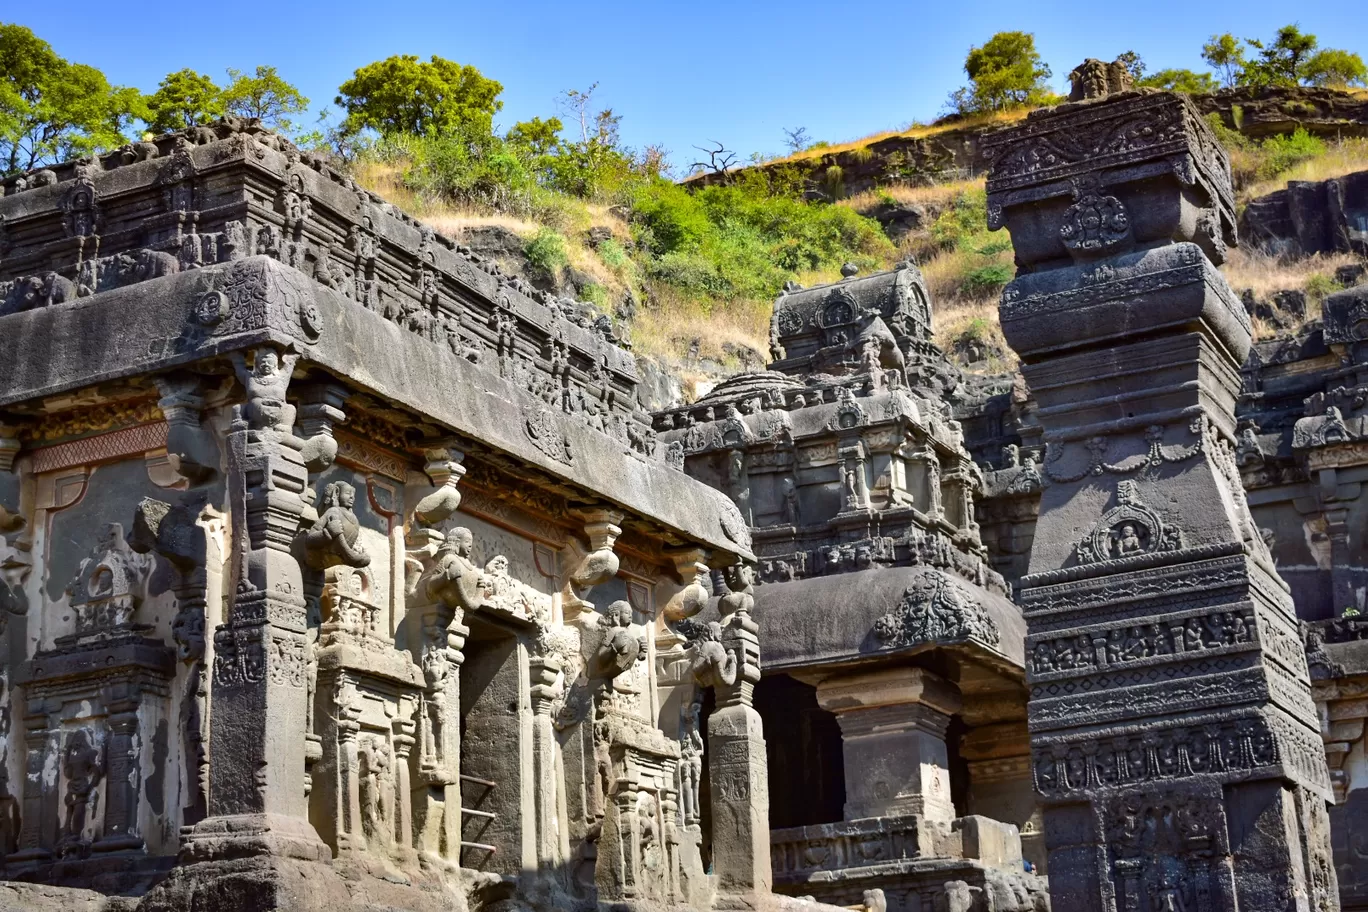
{"points": [[693, 268]]}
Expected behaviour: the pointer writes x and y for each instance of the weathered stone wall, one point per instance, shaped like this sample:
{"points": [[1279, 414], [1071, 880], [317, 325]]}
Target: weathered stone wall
{"points": [[957, 151]]}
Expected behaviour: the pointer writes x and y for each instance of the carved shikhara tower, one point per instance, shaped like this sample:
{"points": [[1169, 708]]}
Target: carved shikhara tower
{"points": [[1175, 745]]}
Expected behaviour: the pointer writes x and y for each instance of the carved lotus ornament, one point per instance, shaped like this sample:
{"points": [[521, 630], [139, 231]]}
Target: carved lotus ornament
{"points": [[1095, 224]]}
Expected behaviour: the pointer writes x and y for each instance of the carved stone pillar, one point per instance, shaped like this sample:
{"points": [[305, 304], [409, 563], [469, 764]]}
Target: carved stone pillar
{"points": [[737, 768], [1165, 772], [38, 826], [256, 783], [447, 586], [998, 756], [121, 756], [404, 727], [545, 672], [893, 725], [618, 872], [351, 837]]}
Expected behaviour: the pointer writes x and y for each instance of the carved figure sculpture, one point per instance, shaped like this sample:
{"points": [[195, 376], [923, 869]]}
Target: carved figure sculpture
{"points": [[377, 791], [740, 580], [691, 763], [265, 382], [83, 767], [738, 483], [1094, 79], [455, 580], [1128, 542], [712, 665], [620, 648], [792, 513], [333, 538]]}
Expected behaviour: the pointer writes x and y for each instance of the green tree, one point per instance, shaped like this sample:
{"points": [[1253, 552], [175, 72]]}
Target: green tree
{"points": [[536, 136], [1226, 56], [1335, 68], [1006, 71], [1281, 63], [597, 167], [183, 99], [1180, 80], [402, 94], [263, 95], [51, 109], [1134, 64]]}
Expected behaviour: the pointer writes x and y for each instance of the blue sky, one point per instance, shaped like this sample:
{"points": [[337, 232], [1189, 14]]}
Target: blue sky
{"points": [[737, 73]]}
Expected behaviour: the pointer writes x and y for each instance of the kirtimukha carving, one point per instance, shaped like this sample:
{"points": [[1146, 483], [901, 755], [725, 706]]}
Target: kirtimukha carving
{"points": [[934, 609]]}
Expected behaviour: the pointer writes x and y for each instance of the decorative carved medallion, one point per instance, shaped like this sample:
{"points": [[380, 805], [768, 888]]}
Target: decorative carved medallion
{"points": [[1095, 223], [839, 309], [1127, 530]]}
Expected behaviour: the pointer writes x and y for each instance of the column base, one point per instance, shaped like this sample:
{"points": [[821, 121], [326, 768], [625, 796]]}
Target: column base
{"points": [[249, 835]]}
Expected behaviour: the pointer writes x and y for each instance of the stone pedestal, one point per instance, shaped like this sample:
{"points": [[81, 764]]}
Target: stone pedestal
{"points": [[1174, 743], [893, 724]]}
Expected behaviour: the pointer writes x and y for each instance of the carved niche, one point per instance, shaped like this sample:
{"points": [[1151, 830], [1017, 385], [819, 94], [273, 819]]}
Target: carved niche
{"points": [[1167, 852], [89, 698], [1129, 529], [109, 584]]}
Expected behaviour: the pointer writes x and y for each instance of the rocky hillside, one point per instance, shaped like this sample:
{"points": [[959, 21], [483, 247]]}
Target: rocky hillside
{"points": [[949, 148]]}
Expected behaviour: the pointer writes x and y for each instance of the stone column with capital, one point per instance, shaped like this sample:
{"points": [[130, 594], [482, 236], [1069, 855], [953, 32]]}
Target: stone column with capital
{"points": [[893, 723], [1175, 745], [737, 767], [257, 803], [551, 836]]}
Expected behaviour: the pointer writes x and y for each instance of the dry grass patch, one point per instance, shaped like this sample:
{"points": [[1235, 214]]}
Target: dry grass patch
{"points": [[933, 196], [912, 132], [1343, 157], [1266, 275], [974, 321], [670, 326]]}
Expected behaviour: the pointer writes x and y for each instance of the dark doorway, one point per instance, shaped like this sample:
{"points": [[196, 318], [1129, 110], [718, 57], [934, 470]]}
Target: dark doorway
{"points": [[803, 747]]}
